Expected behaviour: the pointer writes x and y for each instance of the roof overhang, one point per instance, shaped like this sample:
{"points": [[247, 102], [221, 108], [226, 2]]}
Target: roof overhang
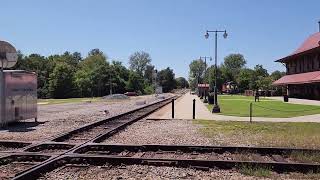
{"points": [[302, 78], [292, 56]]}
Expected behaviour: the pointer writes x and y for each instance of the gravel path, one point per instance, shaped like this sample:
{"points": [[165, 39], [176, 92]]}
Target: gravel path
{"points": [[154, 173], [178, 132], [60, 118], [140, 172]]}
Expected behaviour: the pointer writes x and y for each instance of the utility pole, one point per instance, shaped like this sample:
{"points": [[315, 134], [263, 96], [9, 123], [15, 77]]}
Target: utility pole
{"points": [[205, 72]]}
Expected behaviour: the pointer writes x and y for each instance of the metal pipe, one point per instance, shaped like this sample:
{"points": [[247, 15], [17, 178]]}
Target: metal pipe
{"points": [[194, 109], [172, 115], [2, 93], [250, 112]]}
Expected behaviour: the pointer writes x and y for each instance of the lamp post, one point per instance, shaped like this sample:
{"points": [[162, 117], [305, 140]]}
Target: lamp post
{"points": [[154, 78], [216, 108], [205, 72]]}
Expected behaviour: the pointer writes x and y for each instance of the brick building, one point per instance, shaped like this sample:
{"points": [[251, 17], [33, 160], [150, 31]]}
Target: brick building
{"points": [[302, 79]]}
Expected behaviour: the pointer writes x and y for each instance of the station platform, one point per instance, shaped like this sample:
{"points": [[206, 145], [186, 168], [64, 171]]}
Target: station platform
{"points": [[183, 109], [184, 105]]}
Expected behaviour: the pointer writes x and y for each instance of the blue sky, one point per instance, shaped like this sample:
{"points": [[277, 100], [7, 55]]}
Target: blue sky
{"points": [[172, 31]]}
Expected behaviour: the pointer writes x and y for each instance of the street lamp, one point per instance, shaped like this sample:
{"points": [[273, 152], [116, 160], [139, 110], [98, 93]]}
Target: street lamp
{"points": [[205, 72], [154, 79], [216, 108]]}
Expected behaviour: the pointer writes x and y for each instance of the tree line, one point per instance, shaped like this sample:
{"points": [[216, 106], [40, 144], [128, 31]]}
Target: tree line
{"points": [[233, 69], [70, 75]]}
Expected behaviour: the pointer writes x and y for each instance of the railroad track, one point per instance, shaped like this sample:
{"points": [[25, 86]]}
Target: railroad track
{"points": [[198, 157], [80, 149], [21, 157]]}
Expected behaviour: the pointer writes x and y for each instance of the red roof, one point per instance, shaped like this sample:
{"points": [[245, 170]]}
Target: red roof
{"points": [[302, 78], [311, 42], [203, 85]]}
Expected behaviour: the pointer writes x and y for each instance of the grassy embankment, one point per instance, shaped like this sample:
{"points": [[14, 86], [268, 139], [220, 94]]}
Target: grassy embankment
{"points": [[293, 135], [240, 105], [70, 100]]}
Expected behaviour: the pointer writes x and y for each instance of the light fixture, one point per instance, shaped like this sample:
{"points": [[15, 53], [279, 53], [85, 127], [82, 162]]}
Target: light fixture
{"points": [[206, 35], [225, 35]]}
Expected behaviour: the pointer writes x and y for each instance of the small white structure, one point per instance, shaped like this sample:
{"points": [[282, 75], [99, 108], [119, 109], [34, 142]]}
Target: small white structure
{"points": [[159, 90], [18, 88], [20, 96]]}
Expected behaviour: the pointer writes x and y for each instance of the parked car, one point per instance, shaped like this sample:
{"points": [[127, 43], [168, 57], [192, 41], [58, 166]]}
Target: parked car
{"points": [[131, 94]]}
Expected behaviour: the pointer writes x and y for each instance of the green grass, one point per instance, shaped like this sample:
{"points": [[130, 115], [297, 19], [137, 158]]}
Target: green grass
{"points": [[297, 134], [70, 100], [255, 171], [240, 105], [305, 156]]}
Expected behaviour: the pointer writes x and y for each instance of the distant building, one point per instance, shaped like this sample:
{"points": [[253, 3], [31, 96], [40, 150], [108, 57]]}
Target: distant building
{"points": [[203, 89], [302, 79], [230, 87]]}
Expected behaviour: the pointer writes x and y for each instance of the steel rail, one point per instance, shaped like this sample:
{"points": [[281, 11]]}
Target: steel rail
{"points": [[84, 128], [63, 136], [190, 148], [100, 160]]}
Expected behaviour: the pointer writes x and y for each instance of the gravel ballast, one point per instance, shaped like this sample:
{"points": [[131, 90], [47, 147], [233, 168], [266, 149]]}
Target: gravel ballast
{"points": [[155, 173], [173, 132], [139, 172], [178, 132], [60, 118]]}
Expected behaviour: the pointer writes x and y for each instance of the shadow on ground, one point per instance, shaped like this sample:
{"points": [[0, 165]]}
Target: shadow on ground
{"points": [[21, 126]]}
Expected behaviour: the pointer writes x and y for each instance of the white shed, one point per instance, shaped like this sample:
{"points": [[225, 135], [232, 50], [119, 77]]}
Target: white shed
{"points": [[19, 99]]}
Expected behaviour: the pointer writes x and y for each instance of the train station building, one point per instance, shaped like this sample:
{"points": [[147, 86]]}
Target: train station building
{"points": [[302, 79]]}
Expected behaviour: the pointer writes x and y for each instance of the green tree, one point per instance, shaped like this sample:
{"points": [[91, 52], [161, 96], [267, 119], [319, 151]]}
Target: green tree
{"points": [[261, 80], [70, 59], [41, 66], [166, 79], [182, 83], [246, 79], [61, 81], [95, 52], [260, 71], [264, 83], [93, 75], [148, 75], [119, 77], [196, 72], [232, 66], [69, 75], [211, 75], [135, 82], [277, 75], [139, 61]]}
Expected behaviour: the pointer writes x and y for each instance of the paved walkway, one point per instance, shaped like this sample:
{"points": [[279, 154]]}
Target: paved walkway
{"points": [[183, 110], [298, 101]]}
